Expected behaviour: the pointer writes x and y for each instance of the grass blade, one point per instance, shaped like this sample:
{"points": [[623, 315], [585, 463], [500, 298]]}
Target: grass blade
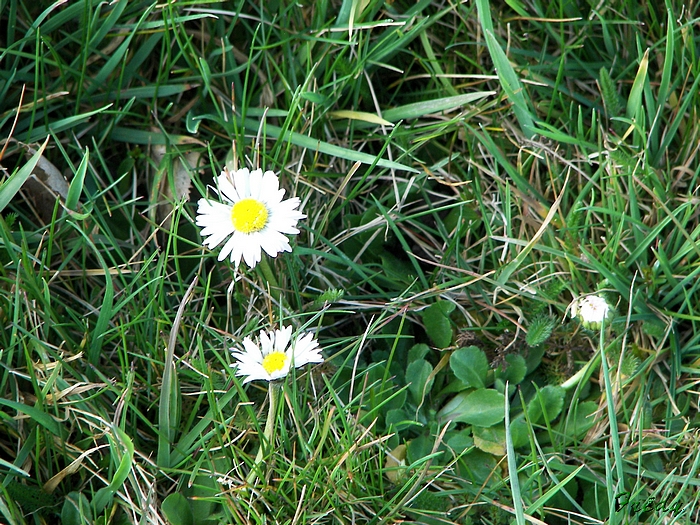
{"points": [[11, 186], [427, 107], [506, 74], [634, 103], [75, 189], [513, 468], [116, 442], [169, 408]]}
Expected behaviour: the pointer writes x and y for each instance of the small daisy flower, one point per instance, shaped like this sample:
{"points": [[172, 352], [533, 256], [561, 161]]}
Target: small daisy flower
{"points": [[252, 216], [273, 357], [592, 310]]}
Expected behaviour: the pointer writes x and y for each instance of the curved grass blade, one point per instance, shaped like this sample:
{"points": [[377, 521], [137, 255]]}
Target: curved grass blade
{"points": [[105, 494], [38, 415], [506, 74], [420, 109], [76, 185], [11, 186]]}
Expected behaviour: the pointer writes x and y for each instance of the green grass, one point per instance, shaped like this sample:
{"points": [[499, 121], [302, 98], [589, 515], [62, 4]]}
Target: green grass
{"points": [[467, 171]]}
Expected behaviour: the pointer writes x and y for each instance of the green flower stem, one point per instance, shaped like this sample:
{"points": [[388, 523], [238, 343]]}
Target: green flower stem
{"points": [[582, 374], [274, 287], [269, 276], [266, 441], [588, 368]]}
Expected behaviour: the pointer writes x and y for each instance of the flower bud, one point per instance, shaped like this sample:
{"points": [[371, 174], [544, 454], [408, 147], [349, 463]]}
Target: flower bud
{"points": [[591, 310]]}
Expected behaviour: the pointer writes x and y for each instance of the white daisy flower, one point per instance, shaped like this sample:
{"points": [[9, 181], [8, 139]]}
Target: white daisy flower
{"points": [[273, 357], [253, 216], [592, 310]]}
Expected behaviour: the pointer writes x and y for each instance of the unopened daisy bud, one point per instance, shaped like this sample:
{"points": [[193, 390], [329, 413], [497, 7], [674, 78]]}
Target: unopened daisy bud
{"points": [[275, 354], [253, 216], [591, 310]]}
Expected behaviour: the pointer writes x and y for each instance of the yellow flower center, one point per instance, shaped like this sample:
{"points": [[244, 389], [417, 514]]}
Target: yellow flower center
{"points": [[249, 215], [274, 362]]}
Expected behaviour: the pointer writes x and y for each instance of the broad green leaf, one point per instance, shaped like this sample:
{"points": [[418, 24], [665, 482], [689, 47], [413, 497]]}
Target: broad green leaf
{"points": [[483, 408], [419, 380], [418, 449], [519, 432], [478, 467], [398, 419], [470, 366], [579, 419], [534, 358], [399, 272], [491, 440], [515, 369], [177, 509], [459, 441], [76, 509], [548, 401], [437, 323], [418, 351]]}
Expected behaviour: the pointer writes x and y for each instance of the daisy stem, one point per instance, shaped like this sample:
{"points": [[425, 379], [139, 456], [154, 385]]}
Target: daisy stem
{"points": [[273, 391], [274, 286]]}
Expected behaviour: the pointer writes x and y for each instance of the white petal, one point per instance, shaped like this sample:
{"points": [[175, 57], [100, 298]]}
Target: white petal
{"points": [[241, 180], [230, 247], [307, 350], [274, 243], [253, 372], [251, 252], [255, 184], [284, 335], [226, 188], [270, 188], [267, 343]]}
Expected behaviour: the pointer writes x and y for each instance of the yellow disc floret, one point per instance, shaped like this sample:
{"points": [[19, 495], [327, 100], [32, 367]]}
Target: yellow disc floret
{"points": [[249, 216], [274, 362]]}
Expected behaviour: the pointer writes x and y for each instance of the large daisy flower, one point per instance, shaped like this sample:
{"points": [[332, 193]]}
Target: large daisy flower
{"points": [[273, 356], [252, 216]]}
